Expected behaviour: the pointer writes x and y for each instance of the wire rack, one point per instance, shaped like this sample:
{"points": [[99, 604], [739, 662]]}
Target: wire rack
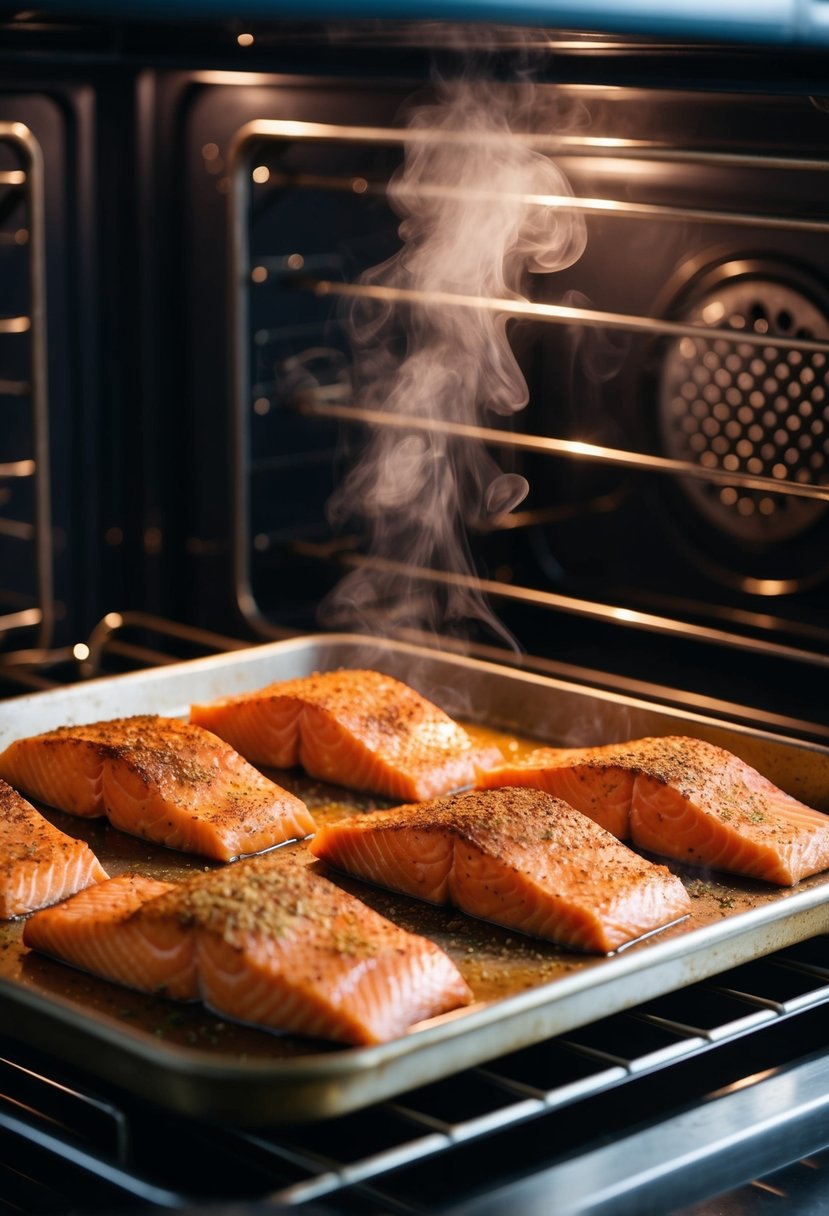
{"points": [[741, 427], [592, 1117], [26, 594]]}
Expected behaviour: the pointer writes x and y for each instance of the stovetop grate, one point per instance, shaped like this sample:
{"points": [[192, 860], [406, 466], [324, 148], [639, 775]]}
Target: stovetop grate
{"points": [[745, 1039]]}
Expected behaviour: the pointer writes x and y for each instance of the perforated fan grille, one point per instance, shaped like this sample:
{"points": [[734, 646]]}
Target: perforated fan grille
{"points": [[748, 409]]}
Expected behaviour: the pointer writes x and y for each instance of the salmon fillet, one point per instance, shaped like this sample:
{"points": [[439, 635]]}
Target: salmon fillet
{"points": [[158, 778], [359, 729], [98, 930], [39, 864], [683, 798], [514, 856], [582, 776], [273, 945]]}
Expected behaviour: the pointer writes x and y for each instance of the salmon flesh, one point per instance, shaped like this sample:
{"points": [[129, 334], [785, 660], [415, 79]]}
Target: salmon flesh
{"points": [[161, 779], [683, 798], [515, 856], [359, 729], [272, 945], [39, 864]]}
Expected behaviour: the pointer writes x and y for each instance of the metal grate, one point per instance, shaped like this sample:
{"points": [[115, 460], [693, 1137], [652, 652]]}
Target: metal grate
{"points": [[732, 1047], [702, 409], [26, 594], [760, 411]]}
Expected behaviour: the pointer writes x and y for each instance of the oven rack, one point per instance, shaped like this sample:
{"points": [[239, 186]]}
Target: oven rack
{"points": [[126, 640], [27, 600], [259, 167], [722, 1072]]}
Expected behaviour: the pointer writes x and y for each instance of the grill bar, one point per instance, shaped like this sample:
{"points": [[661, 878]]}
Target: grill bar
{"points": [[93, 1164], [316, 405], [705, 1147], [590, 609], [616, 208], [582, 1067], [559, 314], [553, 144]]}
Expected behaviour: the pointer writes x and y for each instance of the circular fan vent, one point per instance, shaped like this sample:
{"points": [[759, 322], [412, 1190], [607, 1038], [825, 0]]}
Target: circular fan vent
{"points": [[750, 409]]}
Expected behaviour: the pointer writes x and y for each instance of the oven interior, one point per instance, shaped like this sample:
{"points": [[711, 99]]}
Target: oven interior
{"points": [[194, 294], [190, 234]]}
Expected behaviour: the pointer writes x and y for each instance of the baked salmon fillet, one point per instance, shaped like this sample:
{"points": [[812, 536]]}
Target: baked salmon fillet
{"points": [[161, 779], [272, 945], [514, 856], [359, 729], [99, 931], [39, 864], [683, 798]]}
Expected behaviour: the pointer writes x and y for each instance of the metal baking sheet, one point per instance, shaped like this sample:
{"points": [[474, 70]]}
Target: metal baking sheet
{"points": [[191, 1061]]}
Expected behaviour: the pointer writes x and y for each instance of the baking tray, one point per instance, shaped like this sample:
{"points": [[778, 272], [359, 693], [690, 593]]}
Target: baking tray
{"points": [[188, 1060]]}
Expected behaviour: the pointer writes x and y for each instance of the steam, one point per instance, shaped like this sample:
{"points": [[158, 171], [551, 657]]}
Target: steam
{"points": [[471, 225]]}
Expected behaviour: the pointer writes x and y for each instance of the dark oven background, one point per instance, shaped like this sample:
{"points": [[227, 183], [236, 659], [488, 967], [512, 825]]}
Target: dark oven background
{"points": [[188, 379]]}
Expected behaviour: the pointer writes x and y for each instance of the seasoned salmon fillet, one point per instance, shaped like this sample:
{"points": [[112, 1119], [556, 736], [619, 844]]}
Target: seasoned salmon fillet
{"points": [[159, 778], [273, 945], [515, 856], [581, 776], [359, 729], [684, 798], [98, 930], [39, 864]]}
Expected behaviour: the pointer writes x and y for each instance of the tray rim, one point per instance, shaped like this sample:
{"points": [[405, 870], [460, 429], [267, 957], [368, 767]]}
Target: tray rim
{"points": [[242, 657]]}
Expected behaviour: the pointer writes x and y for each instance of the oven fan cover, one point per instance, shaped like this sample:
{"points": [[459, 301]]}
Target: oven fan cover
{"points": [[757, 410]]}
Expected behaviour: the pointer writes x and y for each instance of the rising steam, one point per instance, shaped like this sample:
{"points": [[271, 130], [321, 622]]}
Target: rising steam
{"points": [[469, 226]]}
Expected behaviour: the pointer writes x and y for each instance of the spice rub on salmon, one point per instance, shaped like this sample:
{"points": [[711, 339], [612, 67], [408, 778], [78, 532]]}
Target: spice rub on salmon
{"points": [[360, 729], [683, 798], [161, 779], [39, 864], [514, 856], [272, 945]]}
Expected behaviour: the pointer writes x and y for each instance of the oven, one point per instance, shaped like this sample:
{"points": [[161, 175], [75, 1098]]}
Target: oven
{"points": [[509, 345]]}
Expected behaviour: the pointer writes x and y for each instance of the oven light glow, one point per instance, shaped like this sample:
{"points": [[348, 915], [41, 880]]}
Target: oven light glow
{"points": [[713, 313], [578, 448], [244, 39], [769, 586], [745, 1082], [80, 651], [18, 468], [15, 325]]}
